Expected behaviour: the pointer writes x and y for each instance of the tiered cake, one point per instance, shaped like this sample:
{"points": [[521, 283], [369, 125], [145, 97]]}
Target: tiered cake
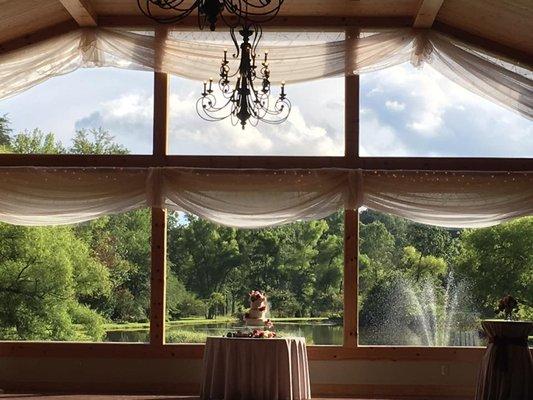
{"points": [[258, 310]]}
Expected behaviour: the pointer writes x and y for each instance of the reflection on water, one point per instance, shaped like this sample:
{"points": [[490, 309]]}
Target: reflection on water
{"points": [[318, 333]]}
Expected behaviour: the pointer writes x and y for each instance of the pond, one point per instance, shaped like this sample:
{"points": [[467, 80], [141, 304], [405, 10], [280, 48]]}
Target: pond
{"points": [[315, 332]]}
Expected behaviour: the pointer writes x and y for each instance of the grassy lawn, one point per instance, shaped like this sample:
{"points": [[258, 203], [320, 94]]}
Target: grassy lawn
{"points": [[134, 326]]}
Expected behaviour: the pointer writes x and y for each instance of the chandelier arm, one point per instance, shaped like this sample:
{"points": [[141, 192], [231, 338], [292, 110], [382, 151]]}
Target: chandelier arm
{"points": [[258, 11], [185, 12]]}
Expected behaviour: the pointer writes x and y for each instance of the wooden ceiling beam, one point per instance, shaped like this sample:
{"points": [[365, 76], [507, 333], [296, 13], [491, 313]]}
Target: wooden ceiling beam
{"points": [[289, 23], [498, 49], [426, 13], [38, 36], [82, 12]]}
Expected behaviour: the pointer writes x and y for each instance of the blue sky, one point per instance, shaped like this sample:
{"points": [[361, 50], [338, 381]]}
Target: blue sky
{"points": [[404, 112]]}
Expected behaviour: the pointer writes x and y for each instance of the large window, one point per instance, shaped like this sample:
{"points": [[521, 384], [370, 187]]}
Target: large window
{"points": [[84, 282], [428, 286], [64, 113], [315, 126], [213, 268], [420, 113]]}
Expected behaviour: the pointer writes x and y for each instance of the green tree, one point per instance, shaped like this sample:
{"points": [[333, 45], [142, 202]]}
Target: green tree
{"points": [[432, 240], [95, 141], [417, 266], [180, 302], [45, 275], [5, 132], [204, 254], [377, 248], [497, 261], [36, 142]]}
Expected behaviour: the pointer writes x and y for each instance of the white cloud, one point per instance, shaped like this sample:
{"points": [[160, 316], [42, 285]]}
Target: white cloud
{"points": [[127, 117], [394, 105], [385, 139], [440, 118], [313, 132]]}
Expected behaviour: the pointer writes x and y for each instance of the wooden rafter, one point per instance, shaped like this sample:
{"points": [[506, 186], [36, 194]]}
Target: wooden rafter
{"points": [[426, 13], [81, 11], [496, 48], [280, 23]]}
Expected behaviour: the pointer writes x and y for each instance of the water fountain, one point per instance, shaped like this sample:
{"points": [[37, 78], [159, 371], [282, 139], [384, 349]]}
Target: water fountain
{"points": [[422, 313]]}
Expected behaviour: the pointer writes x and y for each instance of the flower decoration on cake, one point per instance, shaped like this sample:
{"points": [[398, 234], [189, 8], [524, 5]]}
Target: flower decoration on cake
{"points": [[256, 316]]}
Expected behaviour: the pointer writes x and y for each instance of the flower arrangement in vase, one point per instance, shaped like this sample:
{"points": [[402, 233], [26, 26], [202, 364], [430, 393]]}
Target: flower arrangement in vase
{"points": [[507, 306]]}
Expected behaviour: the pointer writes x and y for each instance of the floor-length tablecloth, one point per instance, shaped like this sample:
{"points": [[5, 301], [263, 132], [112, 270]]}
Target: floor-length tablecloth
{"points": [[507, 367], [255, 369]]}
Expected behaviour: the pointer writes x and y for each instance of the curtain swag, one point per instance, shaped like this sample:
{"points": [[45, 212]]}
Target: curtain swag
{"points": [[57, 196], [502, 81]]}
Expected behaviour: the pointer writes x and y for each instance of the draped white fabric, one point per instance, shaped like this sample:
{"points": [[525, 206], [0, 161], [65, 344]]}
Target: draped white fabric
{"points": [[37, 196], [261, 198], [504, 82], [450, 199]]}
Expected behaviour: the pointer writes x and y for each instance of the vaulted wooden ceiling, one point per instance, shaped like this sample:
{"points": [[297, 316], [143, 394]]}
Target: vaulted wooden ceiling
{"points": [[505, 25]]}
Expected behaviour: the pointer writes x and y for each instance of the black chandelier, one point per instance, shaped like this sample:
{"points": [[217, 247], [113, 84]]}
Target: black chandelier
{"points": [[254, 11], [249, 100]]}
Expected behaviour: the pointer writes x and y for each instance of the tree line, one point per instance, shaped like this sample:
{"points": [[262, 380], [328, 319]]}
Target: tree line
{"points": [[66, 283]]}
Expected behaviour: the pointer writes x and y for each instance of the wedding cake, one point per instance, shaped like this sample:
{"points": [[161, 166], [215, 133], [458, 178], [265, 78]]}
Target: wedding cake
{"points": [[256, 316]]}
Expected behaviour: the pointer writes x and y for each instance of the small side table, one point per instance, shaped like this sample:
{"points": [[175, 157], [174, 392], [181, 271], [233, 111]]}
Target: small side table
{"points": [[507, 367]]}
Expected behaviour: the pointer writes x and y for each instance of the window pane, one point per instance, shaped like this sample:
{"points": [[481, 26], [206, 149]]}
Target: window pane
{"points": [[63, 113], [419, 113], [85, 282], [314, 128], [428, 286], [213, 268]]}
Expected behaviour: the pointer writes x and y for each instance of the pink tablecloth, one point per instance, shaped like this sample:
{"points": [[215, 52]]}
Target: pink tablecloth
{"points": [[255, 369]]}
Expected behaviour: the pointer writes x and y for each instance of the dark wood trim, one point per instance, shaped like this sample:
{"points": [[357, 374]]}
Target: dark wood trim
{"points": [[159, 216], [38, 36], [158, 277], [195, 351], [290, 23], [491, 46], [161, 101], [269, 162], [351, 100], [350, 280]]}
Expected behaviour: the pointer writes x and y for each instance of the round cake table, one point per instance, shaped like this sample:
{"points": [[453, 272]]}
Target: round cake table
{"points": [[507, 367], [255, 369]]}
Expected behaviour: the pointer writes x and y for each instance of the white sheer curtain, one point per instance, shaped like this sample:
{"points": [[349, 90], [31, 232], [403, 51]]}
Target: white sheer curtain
{"points": [[504, 82], [450, 199], [61, 196], [261, 198]]}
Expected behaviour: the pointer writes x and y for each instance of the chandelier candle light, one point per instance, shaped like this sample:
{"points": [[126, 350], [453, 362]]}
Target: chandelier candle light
{"points": [[249, 100], [255, 11]]}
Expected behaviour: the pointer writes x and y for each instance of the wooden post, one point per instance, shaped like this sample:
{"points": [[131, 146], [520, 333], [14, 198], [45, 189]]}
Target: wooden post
{"points": [[351, 281], [159, 215], [351, 217], [158, 277], [351, 100]]}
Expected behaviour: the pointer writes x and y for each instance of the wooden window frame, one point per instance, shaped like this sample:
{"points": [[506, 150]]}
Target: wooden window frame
{"points": [[156, 348]]}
